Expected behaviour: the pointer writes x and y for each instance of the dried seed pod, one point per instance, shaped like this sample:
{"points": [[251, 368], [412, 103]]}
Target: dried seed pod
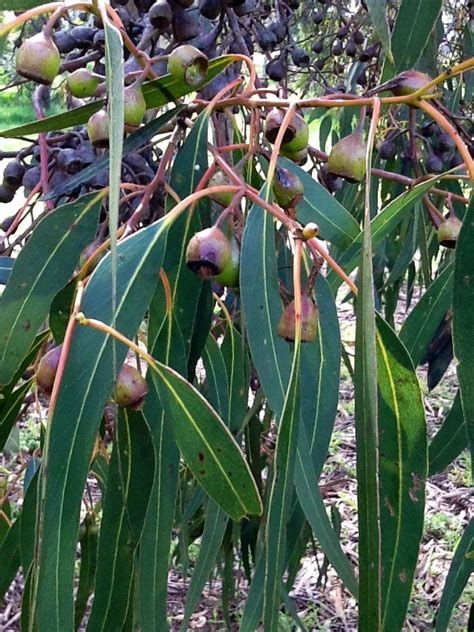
{"points": [[276, 68], [309, 321], [38, 59], [13, 174], [160, 15]]}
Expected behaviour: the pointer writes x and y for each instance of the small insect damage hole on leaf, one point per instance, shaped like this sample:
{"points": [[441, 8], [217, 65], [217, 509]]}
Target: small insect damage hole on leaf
{"points": [[416, 487], [201, 456], [202, 472]]}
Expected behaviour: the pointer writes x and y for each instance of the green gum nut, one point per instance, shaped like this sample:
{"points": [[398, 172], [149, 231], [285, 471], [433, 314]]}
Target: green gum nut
{"points": [[298, 157], [134, 105], [347, 158], [189, 64], [38, 59], [223, 198], [47, 368], [83, 83], [98, 128], [130, 388], [448, 232], [300, 135], [209, 252], [411, 81], [287, 188], [230, 274]]}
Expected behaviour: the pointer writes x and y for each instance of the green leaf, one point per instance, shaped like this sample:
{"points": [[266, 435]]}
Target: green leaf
{"points": [[41, 270], [419, 328], [126, 498], [208, 447], [415, 22], [378, 16], [216, 377], [279, 496], [9, 409], [463, 330], [237, 372], [157, 93], [156, 533], [6, 266], [366, 418], [88, 541], [336, 224], [9, 556], [449, 441], [460, 570], [19, 5], [88, 370], [403, 470], [381, 226], [188, 168]]}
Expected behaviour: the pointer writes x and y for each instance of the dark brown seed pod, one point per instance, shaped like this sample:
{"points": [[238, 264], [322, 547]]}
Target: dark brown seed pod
{"points": [[160, 15], [13, 174]]}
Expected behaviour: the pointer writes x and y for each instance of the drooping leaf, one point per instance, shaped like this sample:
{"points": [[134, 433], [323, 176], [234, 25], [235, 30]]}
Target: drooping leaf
{"points": [[460, 570], [415, 22], [41, 270], [9, 409], [449, 441], [378, 15], [126, 498], [403, 470], [463, 327], [88, 369], [280, 495], [6, 266], [423, 321], [207, 445]]}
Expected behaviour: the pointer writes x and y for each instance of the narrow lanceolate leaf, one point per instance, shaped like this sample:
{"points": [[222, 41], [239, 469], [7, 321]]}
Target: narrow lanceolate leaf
{"points": [[460, 570], [378, 15], [336, 224], [188, 168], [6, 266], [41, 270], [415, 22], [279, 498], [207, 445], [9, 557], [449, 441], [381, 226], [237, 371], [126, 498], [403, 469], [156, 534], [366, 414], [9, 409], [157, 93], [216, 377], [463, 329], [77, 414], [419, 328], [88, 541]]}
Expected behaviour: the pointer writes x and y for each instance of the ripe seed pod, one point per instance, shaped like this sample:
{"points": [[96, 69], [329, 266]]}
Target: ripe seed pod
{"points": [[300, 57], [134, 105], [38, 59], [287, 188], [309, 320], [347, 158], [31, 178], [296, 135], [13, 174], [83, 83], [448, 232], [186, 24], [98, 128], [130, 388], [411, 81], [188, 63], [47, 368], [317, 47], [210, 9], [6, 194], [387, 150], [69, 160], [208, 252], [276, 68], [433, 163]]}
